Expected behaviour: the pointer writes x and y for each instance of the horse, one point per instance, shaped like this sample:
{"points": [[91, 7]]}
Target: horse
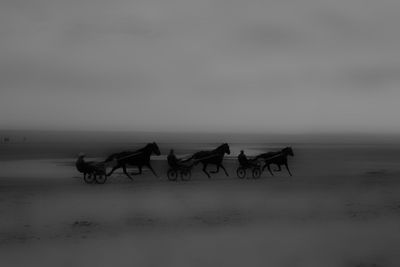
{"points": [[138, 158], [278, 158], [214, 157]]}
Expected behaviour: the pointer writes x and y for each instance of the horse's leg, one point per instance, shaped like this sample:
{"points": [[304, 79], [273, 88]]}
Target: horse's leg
{"points": [[226, 173], [127, 174], [151, 169], [113, 169], [269, 168], [265, 166], [140, 170], [205, 170], [287, 168], [279, 168], [217, 170], [270, 171]]}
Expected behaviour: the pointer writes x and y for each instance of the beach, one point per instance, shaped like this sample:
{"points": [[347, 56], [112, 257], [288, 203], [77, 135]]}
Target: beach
{"points": [[341, 207]]}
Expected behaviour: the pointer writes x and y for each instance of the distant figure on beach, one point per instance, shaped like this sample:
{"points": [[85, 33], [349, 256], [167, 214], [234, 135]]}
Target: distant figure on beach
{"points": [[214, 157], [278, 158], [138, 158]]}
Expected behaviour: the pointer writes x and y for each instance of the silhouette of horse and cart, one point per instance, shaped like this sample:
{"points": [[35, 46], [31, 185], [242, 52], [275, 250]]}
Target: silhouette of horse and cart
{"points": [[96, 171], [184, 166], [277, 158]]}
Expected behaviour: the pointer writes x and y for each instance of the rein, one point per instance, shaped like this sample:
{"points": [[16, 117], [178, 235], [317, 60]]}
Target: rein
{"points": [[208, 157], [130, 155], [278, 155]]}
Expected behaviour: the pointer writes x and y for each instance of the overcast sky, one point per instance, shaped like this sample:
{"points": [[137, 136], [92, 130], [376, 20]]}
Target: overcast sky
{"points": [[200, 65]]}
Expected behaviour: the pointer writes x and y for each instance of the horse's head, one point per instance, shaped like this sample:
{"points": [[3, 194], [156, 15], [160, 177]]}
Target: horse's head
{"points": [[225, 148], [288, 151], [155, 149]]}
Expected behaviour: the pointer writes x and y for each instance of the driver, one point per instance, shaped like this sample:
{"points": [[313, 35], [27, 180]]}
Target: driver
{"points": [[243, 159], [173, 161]]}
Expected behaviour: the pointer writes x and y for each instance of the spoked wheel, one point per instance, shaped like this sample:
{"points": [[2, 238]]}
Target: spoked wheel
{"points": [[88, 178], [186, 175], [241, 172], [256, 173], [172, 175], [100, 178]]}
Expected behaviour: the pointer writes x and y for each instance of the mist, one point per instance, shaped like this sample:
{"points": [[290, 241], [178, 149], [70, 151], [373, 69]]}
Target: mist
{"points": [[214, 66]]}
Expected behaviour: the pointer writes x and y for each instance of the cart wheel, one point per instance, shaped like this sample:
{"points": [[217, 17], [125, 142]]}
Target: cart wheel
{"points": [[186, 175], [241, 172], [256, 173], [88, 178], [100, 179], [172, 175]]}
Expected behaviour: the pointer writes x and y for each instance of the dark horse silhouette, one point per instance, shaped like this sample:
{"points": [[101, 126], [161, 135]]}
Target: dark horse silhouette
{"points": [[278, 158], [138, 158], [213, 157]]}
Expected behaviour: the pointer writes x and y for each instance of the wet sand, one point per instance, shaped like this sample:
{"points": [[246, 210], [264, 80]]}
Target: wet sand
{"points": [[341, 208]]}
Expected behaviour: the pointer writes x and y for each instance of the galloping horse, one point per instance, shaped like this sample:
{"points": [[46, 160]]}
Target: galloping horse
{"points": [[214, 157], [138, 158], [278, 158]]}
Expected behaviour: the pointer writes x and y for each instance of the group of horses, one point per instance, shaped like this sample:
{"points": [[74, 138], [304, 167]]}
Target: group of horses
{"points": [[97, 171]]}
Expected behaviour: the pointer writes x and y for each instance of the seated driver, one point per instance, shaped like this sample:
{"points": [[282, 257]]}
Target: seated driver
{"points": [[173, 161], [243, 159], [245, 162]]}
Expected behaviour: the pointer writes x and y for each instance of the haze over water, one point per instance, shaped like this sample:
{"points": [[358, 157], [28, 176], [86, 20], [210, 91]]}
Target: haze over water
{"points": [[202, 66]]}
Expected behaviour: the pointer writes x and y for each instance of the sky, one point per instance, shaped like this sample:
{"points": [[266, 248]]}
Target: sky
{"points": [[212, 65]]}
